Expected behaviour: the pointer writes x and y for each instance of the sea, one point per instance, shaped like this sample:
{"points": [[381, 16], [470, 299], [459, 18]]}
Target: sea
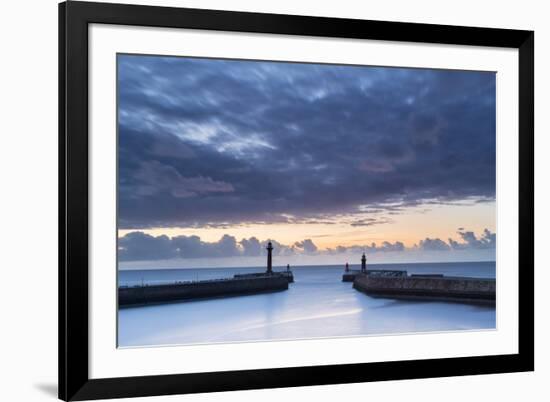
{"points": [[317, 305]]}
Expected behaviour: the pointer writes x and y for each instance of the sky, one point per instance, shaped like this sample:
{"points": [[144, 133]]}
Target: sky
{"points": [[216, 157]]}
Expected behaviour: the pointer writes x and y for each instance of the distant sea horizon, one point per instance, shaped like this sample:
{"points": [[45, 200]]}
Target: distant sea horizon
{"points": [[145, 268], [167, 275]]}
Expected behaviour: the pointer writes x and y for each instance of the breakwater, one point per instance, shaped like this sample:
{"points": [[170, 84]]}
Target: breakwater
{"points": [[238, 285], [349, 276], [399, 285], [181, 291]]}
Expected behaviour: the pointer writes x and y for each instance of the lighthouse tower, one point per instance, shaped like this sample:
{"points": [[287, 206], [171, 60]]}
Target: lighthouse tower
{"points": [[364, 264], [269, 249]]}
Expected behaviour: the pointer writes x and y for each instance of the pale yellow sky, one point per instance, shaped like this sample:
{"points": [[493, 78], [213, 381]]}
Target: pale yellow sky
{"points": [[409, 226]]}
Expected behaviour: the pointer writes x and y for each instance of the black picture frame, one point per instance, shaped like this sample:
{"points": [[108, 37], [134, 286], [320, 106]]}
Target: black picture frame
{"points": [[74, 381]]}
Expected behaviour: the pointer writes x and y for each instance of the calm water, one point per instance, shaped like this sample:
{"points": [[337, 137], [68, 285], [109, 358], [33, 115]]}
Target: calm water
{"points": [[316, 305]]}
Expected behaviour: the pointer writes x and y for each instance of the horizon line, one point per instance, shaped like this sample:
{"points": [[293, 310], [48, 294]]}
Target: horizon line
{"points": [[308, 265]]}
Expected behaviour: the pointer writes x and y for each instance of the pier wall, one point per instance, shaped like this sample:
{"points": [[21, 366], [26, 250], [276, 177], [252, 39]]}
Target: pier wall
{"points": [[128, 296], [350, 275], [428, 288]]}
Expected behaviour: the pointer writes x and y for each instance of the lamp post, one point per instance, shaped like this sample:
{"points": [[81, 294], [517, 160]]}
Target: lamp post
{"points": [[269, 249]]}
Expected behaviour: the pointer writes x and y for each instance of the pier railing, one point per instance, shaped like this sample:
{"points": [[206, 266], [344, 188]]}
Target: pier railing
{"points": [[236, 277], [386, 273]]}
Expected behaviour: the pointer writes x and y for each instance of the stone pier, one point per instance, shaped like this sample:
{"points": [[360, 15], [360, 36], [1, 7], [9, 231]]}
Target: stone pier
{"points": [[427, 287]]}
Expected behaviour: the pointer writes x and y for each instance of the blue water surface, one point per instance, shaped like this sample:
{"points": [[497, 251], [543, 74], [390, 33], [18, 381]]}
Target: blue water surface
{"points": [[317, 305]]}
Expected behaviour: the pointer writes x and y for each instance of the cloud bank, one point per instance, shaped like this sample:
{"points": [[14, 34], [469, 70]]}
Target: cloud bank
{"points": [[138, 246]]}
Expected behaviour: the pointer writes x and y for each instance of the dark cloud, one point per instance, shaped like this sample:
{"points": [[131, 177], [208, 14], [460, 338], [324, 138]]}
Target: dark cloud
{"points": [[307, 246], [141, 246], [194, 247], [433, 245], [251, 247], [387, 246], [209, 141], [135, 246], [486, 241], [370, 221], [470, 241]]}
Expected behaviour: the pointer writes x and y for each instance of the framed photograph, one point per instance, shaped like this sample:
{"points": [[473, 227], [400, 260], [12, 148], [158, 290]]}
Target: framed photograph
{"points": [[258, 201]]}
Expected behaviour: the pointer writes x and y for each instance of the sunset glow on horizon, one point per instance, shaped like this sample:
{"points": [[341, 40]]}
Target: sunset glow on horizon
{"points": [[410, 228]]}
